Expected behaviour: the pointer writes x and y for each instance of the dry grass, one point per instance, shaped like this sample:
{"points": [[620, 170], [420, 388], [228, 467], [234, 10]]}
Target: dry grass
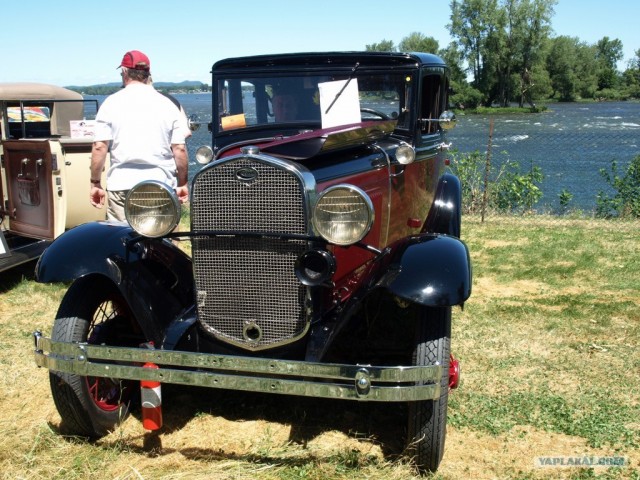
{"points": [[549, 368]]}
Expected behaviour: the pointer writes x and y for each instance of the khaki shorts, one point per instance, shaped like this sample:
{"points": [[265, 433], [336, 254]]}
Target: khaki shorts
{"points": [[115, 210]]}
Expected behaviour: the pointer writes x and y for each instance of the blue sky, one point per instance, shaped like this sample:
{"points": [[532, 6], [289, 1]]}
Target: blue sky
{"points": [[67, 42]]}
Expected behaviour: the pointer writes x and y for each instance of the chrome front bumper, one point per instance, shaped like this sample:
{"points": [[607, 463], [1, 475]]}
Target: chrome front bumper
{"points": [[322, 380]]}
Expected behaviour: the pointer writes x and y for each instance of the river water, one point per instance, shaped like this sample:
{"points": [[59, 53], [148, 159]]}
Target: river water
{"points": [[570, 142]]}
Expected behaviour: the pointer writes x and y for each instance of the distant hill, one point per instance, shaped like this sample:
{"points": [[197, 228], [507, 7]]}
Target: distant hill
{"points": [[186, 86]]}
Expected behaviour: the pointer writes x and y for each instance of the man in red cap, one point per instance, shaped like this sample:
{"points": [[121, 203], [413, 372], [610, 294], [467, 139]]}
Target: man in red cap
{"points": [[142, 130]]}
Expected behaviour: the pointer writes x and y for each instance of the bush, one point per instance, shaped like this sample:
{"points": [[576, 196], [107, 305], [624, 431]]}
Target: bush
{"points": [[517, 191], [508, 190], [611, 94], [564, 198], [469, 169], [625, 202], [465, 97]]}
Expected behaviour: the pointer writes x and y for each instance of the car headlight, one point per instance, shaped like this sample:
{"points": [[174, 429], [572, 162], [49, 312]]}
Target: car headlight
{"points": [[343, 214], [152, 208], [204, 154], [405, 154]]}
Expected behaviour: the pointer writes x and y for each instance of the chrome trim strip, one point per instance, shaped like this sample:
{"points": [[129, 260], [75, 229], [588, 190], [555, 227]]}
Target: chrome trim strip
{"points": [[322, 380]]}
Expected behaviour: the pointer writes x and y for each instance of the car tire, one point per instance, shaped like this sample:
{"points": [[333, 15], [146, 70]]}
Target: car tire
{"points": [[427, 420], [92, 311]]}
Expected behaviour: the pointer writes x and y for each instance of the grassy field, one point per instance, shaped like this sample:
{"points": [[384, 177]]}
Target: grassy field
{"points": [[550, 369]]}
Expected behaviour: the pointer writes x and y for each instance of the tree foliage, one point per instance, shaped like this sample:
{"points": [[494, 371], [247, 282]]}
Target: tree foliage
{"points": [[570, 66], [383, 46], [417, 42], [168, 87], [503, 44], [506, 188], [504, 52], [608, 53], [624, 202]]}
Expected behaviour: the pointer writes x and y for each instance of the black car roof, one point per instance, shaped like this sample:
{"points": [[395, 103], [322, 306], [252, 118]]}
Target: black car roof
{"points": [[328, 60]]}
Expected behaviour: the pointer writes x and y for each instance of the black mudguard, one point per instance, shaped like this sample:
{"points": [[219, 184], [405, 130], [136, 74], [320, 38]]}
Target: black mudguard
{"points": [[427, 270], [445, 213], [154, 276], [431, 270], [89, 248]]}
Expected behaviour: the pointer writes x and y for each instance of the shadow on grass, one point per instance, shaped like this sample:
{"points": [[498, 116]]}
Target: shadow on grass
{"points": [[374, 423], [9, 279], [382, 424]]}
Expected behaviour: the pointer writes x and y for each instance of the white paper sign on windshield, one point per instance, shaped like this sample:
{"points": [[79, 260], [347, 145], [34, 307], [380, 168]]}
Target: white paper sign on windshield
{"points": [[339, 103]]}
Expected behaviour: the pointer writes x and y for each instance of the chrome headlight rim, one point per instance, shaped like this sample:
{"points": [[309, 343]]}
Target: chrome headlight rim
{"points": [[320, 230], [166, 195]]}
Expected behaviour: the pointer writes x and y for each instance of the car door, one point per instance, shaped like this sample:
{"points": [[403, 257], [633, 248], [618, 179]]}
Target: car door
{"points": [[28, 169]]}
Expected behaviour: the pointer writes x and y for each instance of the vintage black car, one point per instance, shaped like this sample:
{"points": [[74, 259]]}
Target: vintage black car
{"points": [[325, 253]]}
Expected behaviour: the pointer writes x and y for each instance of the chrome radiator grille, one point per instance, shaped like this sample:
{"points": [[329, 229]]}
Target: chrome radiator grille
{"points": [[248, 293]]}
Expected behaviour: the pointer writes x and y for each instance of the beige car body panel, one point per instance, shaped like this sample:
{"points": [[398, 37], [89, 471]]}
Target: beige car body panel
{"points": [[44, 170]]}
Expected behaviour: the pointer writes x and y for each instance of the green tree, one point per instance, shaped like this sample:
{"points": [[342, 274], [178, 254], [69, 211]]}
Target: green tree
{"points": [[472, 23], [631, 76], [532, 27], [463, 95], [417, 42], [586, 74], [570, 67], [608, 54], [383, 46], [453, 58], [539, 86], [503, 44]]}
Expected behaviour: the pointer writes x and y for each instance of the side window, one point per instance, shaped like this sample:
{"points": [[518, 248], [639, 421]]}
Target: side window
{"points": [[249, 106], [33, 121], [432, 101], [388, 95], [236, 104]]}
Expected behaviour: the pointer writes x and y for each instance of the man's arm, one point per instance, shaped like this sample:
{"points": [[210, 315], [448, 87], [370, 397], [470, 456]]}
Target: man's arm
{"points": [[99, 152], [181, 157]]}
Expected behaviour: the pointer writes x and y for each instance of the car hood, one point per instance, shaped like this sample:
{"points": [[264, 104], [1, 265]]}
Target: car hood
{"points": [[311, 143]]}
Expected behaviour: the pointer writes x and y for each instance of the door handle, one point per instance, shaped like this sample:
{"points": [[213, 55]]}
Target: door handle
{"points": [[25, 162]]}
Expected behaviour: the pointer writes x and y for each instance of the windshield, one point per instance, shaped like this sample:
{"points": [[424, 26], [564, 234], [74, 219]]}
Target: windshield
{"points": [[312, 101]]}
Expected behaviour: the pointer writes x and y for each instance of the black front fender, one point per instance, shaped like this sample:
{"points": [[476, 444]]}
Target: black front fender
{"points": [[83, 250], [446, 210], [154, 276], [430, 270]]}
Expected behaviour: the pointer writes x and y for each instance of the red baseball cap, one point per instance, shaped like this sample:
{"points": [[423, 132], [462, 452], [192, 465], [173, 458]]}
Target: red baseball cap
{"points": [[135, 59]]}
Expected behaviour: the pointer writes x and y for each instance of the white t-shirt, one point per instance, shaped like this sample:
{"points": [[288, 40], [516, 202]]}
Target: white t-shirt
{"points": [[140, 124]]}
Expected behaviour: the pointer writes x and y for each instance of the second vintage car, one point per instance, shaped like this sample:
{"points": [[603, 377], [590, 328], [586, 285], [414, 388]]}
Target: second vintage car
{"points": [[45, 151], [325, 253]]}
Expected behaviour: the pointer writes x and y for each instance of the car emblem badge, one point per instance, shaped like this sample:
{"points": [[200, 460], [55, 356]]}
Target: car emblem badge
{"points": [[246, 174]]}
